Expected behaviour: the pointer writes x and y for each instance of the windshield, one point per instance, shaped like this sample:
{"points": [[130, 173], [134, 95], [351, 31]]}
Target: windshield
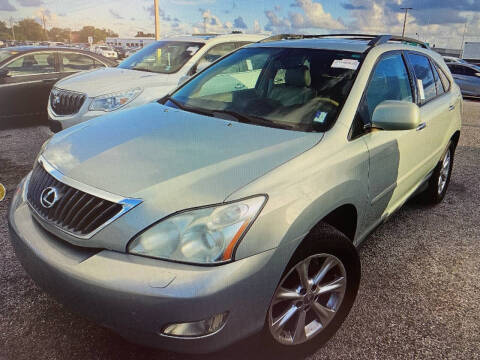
{"points": [[299, 89], [5, 54], [164, 57]]}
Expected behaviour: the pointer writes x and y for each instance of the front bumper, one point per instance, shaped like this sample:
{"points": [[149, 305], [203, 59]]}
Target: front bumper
{"points": [[136, 297], [58, 123]]}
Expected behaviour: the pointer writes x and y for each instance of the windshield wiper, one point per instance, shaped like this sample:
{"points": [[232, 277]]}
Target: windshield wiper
{"points": [[187, 108], [142, 69], [249, 119]]}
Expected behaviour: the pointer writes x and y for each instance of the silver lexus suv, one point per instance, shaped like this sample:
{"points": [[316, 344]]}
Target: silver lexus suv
{"points": [[235, 206]]}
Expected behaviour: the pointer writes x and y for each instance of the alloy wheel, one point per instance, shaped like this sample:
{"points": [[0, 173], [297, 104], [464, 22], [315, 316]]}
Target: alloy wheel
{"points": [[307, 299], [444, 172]]}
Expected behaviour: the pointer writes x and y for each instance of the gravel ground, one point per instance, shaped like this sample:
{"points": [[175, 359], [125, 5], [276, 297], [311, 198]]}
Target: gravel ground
{"points": [[419, 296]]}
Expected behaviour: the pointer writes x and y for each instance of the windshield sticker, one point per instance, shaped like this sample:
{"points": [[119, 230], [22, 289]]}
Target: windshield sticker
{"points": [[350, 64], [249, 64], [320, 117], [421, 91], [192, 50]]}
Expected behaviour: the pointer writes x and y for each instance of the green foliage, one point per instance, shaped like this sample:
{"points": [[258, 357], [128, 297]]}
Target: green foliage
{"points": [[29, 29], [98, 34], [5, 32]]}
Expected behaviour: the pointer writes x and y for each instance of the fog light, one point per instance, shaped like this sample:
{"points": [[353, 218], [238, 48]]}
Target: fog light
{"points": [[197, 328]]}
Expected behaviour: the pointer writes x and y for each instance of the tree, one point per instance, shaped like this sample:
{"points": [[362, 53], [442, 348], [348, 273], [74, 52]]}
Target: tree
{"points": [[58, 34], [29, 29], [142, 34], [5, 32], [97, 34]]}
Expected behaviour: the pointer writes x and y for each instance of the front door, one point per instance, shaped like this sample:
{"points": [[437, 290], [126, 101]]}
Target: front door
{"points": [[395, 156], [25, 91]]}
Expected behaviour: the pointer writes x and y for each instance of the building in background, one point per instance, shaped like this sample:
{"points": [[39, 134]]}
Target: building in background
{"points": [[133, 42]]}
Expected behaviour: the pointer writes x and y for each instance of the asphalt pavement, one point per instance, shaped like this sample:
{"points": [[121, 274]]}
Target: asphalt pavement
{"points": [[419, 296]]}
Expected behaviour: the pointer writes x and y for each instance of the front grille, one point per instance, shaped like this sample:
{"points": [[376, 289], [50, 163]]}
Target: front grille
{"points": [[65, 102], [75, 211]]}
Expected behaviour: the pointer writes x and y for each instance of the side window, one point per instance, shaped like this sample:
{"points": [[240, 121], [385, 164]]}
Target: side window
{"points": [[77, 62], [389, 81], [438, 83], [215, 53], [443, 78], [425, 80], [32, 64], [469, 71]]}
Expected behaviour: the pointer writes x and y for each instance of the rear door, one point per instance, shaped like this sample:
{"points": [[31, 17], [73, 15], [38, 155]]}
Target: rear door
{"points": [[26, 89], [435, 108], [73, 62]]}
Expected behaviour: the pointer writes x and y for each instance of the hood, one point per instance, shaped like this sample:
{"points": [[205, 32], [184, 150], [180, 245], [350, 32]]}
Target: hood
{"points": [[108, 80], [157, 153]]}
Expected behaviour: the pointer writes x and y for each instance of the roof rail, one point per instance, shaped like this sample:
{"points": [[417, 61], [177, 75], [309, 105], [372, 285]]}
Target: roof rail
{"points": [[375, 40]]}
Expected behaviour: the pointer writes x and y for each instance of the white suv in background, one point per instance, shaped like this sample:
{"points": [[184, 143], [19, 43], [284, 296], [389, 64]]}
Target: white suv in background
{"points": [[107, 52], [145, 76]]}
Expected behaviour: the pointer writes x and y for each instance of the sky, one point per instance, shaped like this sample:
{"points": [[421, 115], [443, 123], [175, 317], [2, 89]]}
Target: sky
{"points": [[440, 22]]}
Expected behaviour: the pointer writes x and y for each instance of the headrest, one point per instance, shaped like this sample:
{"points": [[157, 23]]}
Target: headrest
{"points": [[29, 60], [51, 60], [298, 76]]}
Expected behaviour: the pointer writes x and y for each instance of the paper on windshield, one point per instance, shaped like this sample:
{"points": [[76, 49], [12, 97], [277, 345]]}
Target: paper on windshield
{"points": [[350, 64]]}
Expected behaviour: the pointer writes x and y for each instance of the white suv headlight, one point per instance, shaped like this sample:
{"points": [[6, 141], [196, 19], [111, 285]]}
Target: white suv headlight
{"points": [[204, 236], [114, 101]]}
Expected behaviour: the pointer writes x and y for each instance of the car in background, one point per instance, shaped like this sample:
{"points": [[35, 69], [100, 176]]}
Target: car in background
{"points": [[27, 75], [121, 52], [467, 76], [141, 78], [453, 59], [106, 51], [131, 51]]}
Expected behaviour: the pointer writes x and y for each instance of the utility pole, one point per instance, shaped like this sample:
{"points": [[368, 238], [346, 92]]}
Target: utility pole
{"points": [[463, 38], [12, 25], [157, 21], [405, 18], [44, 26]]}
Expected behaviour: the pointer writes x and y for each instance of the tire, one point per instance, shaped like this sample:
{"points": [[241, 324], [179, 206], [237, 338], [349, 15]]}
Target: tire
{"points": [[324, 245], [440, 179]]}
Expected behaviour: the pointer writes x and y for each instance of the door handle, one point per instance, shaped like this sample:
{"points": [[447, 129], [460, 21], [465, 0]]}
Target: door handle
{"points": [[451, 108], [421, 126]]}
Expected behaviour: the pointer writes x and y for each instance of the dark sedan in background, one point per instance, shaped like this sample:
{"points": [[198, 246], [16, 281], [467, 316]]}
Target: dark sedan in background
{"points": [[27, 75], [467, 76]]}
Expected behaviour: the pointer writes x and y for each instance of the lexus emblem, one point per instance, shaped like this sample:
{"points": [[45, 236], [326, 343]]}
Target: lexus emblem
{"points": [[49, 197]]}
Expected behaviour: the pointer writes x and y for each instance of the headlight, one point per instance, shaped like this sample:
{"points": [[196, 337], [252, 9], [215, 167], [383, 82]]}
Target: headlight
{"points": [[203, 236], [111, 102]]}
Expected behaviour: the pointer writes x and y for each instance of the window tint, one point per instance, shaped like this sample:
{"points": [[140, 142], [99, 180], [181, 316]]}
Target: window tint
{"points": [[31, 64], [438, 83], [425, 80], [390, 81], [456, 69], [77, 62], [217, 52], [468, 71], [443, 78]]}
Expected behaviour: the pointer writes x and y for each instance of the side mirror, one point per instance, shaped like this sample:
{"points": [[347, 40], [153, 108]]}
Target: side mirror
{"points": [[3, 73], [396, 115]]}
